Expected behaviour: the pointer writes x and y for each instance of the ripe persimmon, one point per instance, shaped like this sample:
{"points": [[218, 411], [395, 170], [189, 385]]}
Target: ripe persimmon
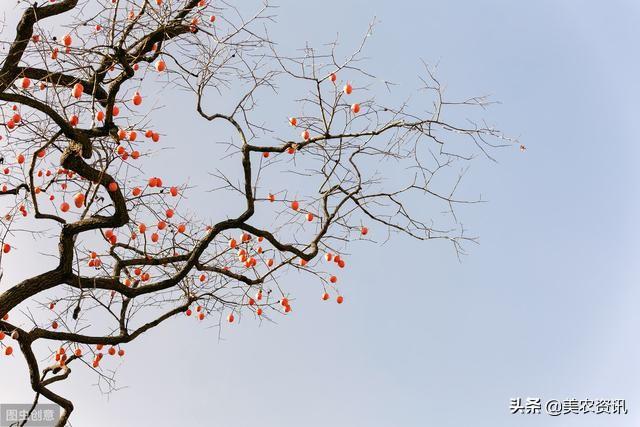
{"points": [[355, 108], [295, 205], [77, 90], [348, 89], [339, 299], [137, 98], [78, 200], [293, 121], [160, 66]]}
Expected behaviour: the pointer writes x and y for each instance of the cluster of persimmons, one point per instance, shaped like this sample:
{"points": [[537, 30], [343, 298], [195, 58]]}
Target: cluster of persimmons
{"points": [[130, 148]]}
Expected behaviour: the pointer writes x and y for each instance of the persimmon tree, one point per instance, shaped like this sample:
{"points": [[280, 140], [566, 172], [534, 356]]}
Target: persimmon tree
{"points": [[77, 130]]}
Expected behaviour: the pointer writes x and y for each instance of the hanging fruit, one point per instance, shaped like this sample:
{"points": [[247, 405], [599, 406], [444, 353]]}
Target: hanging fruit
{"points": [[137, 98], [77, 90]]}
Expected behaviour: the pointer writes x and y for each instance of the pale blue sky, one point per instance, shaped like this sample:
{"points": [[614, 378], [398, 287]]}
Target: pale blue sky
{"points": [[546, 306]]}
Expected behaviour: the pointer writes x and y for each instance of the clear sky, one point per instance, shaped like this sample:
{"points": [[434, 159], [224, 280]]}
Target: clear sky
{"points": [[546, 306]]}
